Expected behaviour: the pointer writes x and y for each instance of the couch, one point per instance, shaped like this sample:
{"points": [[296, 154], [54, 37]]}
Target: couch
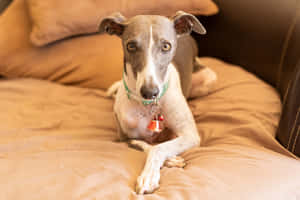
{"points": [[58, 139], [263, 37]]}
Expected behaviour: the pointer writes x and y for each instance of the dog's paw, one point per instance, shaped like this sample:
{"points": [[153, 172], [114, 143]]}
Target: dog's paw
{"points": [[148, 181], [203, 82], [113, 89], [139, 144], [176, 161]]}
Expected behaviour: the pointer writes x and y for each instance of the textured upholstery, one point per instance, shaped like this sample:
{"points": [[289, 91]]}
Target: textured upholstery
{"points": [[4, 4], [264, 38]]}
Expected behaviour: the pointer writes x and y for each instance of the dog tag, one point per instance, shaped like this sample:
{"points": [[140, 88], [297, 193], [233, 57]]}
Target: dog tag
{"points": [[160, 117], [155, 124]]}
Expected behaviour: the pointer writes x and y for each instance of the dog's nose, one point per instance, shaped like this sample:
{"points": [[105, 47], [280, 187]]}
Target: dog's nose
{"points": [[149, 93]]}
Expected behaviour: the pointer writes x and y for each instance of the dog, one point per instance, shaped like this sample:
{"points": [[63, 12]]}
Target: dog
{"points": [[159, 61]]}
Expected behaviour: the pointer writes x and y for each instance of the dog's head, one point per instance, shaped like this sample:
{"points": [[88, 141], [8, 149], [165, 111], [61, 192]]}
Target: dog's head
{"points": [[149, 43]]}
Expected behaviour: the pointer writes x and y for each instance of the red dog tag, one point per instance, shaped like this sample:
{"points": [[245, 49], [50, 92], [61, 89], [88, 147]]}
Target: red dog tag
{"points": [[155, 124]]}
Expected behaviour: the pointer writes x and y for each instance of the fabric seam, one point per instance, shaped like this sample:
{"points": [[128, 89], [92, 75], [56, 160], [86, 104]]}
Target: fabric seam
{"points": [[292, 131], [295, 141], [286, 45]]}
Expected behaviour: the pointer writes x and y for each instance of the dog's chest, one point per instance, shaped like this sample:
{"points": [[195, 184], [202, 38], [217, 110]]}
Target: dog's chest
{"points": [[133, 116]]}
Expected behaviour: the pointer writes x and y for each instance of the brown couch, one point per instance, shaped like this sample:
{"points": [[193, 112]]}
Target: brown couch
{"points": [[59, 141], [241, 34], [263, 37]]}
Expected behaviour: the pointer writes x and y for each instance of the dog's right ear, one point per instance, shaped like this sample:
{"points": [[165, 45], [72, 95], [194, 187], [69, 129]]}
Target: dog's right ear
{"points": [[113, 25]]}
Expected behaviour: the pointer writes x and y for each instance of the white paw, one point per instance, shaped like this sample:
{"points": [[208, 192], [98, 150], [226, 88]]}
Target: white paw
{"points": [[113, 89], [139, 144], [176, 161], [203, 82], [148, 181]]}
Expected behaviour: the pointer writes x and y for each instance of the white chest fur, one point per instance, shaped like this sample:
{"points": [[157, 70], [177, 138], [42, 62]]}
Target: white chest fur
{"points": [[133, 116]]}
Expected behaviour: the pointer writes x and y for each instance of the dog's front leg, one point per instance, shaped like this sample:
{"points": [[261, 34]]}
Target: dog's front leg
{"points": [[181, 121], [175, 161], [148, 181]]}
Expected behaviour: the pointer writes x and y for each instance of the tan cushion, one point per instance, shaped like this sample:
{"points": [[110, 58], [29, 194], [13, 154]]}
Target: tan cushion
{"points": [[91, 61], [57, 19], [59, 142]]}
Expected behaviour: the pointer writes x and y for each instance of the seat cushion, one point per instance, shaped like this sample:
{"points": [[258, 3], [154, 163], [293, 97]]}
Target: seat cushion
{"points": [[58, 19], [60, 142], [93, 61]]}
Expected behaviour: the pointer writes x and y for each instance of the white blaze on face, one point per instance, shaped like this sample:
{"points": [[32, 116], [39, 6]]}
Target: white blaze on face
{"points": [[149, 71]]}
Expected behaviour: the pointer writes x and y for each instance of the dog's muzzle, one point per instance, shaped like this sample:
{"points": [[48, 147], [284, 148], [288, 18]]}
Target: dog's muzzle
{"points": [[145, 101], [149, 93]]}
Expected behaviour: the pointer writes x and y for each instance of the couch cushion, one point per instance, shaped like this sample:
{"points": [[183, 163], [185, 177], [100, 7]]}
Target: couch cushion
{"points": [[90, 61], [59, 142], [57, 19], [289, 127]]}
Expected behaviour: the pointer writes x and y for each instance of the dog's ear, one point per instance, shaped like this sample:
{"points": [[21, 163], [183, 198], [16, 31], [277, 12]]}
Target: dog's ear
{"points": [[185, 23], [113, 24]]}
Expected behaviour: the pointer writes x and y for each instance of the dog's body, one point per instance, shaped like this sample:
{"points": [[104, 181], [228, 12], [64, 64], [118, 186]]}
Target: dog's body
{"points": [[134, 117], [159, 58]]}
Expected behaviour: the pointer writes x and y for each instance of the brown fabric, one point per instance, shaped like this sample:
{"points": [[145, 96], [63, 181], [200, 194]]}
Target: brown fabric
{"points": [[92, 61], [57, 19], [291, 55], [4, 4], [58, 142], [288, 132], [243, 33]]}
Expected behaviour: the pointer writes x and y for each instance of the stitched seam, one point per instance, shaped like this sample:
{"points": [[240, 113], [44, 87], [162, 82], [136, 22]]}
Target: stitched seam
{"points": [[294, 146], [285, 46], [292, 131], [286, 93], [289, 85]]}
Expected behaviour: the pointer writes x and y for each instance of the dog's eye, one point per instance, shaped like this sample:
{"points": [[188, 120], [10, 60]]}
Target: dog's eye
{"points": [[131, 46], [166, 47]]}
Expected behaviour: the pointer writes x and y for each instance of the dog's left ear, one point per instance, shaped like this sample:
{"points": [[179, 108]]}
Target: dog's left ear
{"points": [[113, 24], [185, 23]]}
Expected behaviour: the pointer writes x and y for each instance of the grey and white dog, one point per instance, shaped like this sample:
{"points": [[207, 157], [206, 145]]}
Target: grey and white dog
{"points": [[159, 59]]}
